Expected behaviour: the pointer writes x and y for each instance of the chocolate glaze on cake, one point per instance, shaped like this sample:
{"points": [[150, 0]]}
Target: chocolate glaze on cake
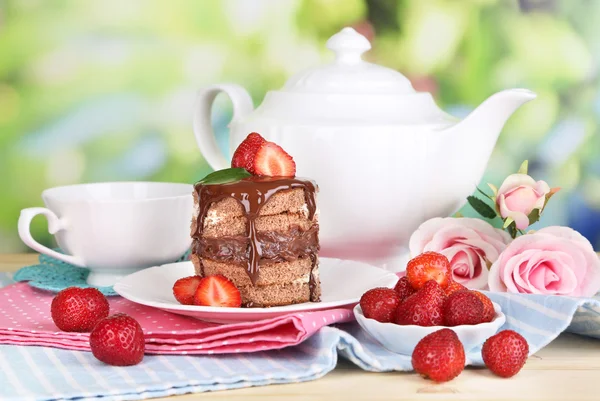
{"points": [[256, 247]]}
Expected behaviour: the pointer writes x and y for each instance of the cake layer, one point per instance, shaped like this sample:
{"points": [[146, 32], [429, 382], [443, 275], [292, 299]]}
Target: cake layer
{"points": [[270, 272], [284, 201], [275, 295], [229, 226], [281, 283]]}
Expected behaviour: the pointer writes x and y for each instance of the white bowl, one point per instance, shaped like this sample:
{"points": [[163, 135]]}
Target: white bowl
{"points": [[403, 339]]}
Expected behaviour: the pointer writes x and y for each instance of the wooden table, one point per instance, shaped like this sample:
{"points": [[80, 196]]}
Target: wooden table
{"points": [[569, 368]]}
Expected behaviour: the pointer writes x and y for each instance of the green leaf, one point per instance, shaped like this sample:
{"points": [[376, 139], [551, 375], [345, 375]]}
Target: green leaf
{"points": [[484, 194], [512, 230], [225, 176], [548, 196], [494, 189], [534, 216], [524, 167], [481, 207], [507, 222]]}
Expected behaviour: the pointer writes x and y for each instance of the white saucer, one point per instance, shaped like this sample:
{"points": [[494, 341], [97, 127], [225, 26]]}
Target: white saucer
{"points": [[342, 283]]}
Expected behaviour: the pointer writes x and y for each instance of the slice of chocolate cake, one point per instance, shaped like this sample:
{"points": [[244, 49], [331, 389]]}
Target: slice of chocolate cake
{"points": [[262, 234]]}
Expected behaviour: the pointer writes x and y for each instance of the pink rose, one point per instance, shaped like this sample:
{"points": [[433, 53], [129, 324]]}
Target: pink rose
{"points": [[518, 196], [471, 245], [554, 260]]}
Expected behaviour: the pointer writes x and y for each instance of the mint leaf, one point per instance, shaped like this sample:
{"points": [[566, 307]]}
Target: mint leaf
{"points": [[225, 176], [481, 207]]}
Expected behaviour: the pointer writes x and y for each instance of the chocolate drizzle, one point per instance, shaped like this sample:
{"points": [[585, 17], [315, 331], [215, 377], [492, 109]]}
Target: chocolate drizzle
{"points": [[253, 193]]}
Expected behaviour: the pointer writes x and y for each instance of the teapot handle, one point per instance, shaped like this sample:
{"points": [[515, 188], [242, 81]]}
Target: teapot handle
{"points": [[205, 136]]}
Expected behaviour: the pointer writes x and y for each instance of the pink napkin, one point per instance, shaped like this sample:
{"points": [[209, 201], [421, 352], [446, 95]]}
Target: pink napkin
{"points": [[25, 320]]}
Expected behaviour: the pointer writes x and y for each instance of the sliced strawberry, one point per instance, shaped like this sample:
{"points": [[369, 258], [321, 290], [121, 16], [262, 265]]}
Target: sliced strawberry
{"points": [[217, 291], [271, 160], [185, 288], [243, 156]]}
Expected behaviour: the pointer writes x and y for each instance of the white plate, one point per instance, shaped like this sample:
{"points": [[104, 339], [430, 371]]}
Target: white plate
{"points": [[342, 283]]}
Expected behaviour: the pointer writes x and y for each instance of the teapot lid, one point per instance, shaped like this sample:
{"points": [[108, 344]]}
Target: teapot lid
{"points": [[348, 73], [351, 91]]}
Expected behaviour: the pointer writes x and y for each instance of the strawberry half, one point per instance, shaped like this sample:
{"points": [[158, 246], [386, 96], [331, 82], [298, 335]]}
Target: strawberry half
{"points": [[243, 157], [217, 291], [271, 160], [185, 288]]}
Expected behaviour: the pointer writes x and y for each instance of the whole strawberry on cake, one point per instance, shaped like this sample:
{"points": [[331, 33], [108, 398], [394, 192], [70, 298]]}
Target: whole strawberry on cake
{"points": [[256, 226]]}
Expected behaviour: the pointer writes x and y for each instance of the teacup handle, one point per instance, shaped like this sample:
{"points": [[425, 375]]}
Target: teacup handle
{"points": [[54, 225], [205, 137]]}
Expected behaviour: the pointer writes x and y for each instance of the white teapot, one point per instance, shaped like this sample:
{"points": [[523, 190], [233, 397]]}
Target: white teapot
{"points": [[385, 157]]}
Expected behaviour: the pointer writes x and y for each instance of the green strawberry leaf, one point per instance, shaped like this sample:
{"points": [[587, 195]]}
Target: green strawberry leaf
{"points": [[225, 176], [481, 207]]}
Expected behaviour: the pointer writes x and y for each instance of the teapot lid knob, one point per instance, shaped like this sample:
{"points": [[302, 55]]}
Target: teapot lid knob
{"points": [[348, 45]]}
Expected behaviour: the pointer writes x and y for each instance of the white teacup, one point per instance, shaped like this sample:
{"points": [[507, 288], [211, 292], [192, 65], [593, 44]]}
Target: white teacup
{"points": [[114, 229]]}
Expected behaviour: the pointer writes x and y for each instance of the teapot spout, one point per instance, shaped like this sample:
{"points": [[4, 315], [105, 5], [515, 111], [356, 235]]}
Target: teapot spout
{"points": [[469, 143], [487, 120]]}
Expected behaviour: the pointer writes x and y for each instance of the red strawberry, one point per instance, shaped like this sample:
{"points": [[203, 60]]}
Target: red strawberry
{"points": [[78, 309], [118, 340], [439, 356], [488, 306], [217, 291], [243, 157], [453, 286], [404, 289], [380, 304], [185, 288], [424, 308], [463, 307], [505, 353], [271, 160], [428, 266]]}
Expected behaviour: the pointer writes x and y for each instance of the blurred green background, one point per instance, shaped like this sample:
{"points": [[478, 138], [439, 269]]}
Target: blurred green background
{"points": [[103, 90]]}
